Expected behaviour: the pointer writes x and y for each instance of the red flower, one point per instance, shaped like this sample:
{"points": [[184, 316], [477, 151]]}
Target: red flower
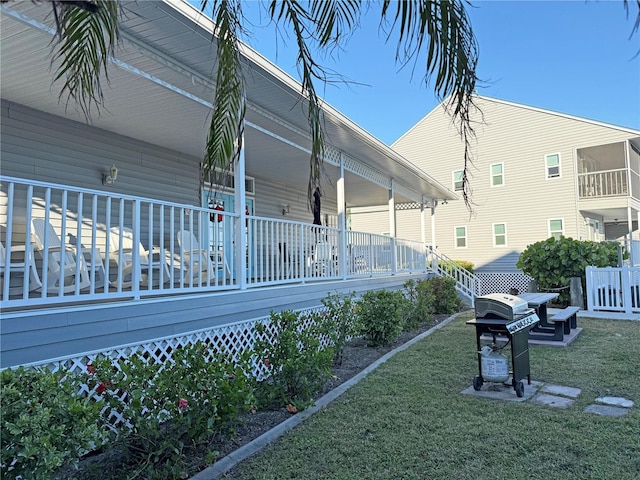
{"points": [[291, 408], [103, 387], [91, 369], [182, 403]]}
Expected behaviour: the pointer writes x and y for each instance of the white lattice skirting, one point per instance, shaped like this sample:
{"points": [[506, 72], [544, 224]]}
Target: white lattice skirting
{"points": [[502, 282], [232, 340]]}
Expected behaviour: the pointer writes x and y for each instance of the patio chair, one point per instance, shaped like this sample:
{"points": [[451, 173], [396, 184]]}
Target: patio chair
{"points": [[21, 259], [322, 261], [62, 259], [197, 262], [122, 239]]}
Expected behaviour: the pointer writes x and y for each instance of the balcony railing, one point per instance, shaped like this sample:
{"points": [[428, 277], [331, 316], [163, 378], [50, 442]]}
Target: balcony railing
{"points": [[62, 245], [606, 183]]}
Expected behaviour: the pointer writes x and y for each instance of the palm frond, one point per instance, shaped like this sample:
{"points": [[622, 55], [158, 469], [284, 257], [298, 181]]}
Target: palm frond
{"points": [[451, 58], [87, 36], [226, 130]]}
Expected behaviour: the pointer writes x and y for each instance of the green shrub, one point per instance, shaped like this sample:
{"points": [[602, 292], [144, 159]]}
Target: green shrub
{"points": [[46, 424], [381, 316], [340, 321], [297, 365], [551, 263], [448, 266], [420, 303], [442, 292], [168, 408]]}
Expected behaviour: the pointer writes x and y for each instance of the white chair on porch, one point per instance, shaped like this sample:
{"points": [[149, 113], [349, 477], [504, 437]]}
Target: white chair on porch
{"points": [[20, 260], [122, 246], [322, 260], [62, 259], [197, 261]]}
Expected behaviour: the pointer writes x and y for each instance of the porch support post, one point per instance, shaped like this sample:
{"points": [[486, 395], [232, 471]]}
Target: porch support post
{"points": [[241, 222], [630, 237], [392, 228], [342, 223], [433, 224], [423, 235], [434, 258]]}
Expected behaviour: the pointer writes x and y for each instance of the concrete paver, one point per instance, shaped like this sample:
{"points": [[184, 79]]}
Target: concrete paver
{"points": [[552, 401], [562, 390], [606, 410], [615, 401]]}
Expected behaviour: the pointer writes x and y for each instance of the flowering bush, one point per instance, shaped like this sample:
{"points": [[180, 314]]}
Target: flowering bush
{"points": [[297, 365], [46, 424], [168, 408]]}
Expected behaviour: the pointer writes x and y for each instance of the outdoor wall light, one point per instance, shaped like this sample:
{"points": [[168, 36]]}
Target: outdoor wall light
{"points": [[285, 210], [110, 177]]}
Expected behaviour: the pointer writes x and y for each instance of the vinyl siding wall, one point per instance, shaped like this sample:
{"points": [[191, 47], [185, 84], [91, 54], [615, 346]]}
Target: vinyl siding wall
{"points": [[518, 137], [38, 146]]}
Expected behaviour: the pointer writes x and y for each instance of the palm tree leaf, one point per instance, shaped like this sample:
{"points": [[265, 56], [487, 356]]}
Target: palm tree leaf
{"points": [[224, 141], [87, 36]]}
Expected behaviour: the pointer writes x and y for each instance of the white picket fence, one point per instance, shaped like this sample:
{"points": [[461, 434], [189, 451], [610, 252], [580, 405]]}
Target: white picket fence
{"points": [[613, 289]]}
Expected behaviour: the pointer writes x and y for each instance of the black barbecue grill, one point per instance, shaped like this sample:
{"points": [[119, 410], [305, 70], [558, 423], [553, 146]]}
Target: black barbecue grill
{"points": [[500, 316]]}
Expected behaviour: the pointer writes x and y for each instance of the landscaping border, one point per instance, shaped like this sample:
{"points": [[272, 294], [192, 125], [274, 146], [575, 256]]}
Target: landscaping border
{"points": [[228, 462]]}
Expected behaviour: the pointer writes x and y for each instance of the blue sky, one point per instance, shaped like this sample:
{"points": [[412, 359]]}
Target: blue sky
{"points": [[573, 57]]}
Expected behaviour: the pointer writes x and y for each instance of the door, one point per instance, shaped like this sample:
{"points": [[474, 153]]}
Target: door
{"points": [[221, 231]]}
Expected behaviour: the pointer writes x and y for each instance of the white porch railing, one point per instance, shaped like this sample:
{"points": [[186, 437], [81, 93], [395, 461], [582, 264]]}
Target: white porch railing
{"points": [[63, 245], [606, 183], [615, 289], [466, 282]]}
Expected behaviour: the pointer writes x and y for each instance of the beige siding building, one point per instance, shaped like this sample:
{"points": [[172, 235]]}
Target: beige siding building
{"points": [[535, 174]]}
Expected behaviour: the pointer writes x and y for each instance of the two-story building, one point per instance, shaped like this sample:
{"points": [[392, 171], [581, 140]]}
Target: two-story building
{"points": [[535, 174]]}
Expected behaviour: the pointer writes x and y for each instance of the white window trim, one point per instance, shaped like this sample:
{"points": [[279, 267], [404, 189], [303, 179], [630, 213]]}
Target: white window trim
{"points": [[550, 233], [453, 180], [491, 175], [546, 167], [455, 237], [493, 233]]}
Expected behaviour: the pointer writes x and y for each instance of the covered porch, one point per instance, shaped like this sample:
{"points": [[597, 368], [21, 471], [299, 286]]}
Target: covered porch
{"points": [[109, 233]]}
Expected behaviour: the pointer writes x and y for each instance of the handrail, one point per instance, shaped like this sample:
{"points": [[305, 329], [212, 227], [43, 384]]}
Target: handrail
{"points": [[466, 282]]}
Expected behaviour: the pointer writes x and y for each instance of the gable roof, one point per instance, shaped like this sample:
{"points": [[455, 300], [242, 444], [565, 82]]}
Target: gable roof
{"points": [[527, 107]]}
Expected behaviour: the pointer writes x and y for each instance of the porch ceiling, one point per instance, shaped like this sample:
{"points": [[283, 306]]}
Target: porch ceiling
{"points": [[159, 92]]}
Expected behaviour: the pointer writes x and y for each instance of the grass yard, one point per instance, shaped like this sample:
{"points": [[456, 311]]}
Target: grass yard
{"points": [[408, 419]]}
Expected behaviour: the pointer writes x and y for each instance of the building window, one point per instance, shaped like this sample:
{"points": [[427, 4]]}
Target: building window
{"points": [[497, 174], [461, 237], [556, 228], [499, 234], [552, 163], [457, 180]]}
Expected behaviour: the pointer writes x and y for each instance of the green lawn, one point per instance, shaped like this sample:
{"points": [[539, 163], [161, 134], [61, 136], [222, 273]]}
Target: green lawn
{"points": [[408, 419]]}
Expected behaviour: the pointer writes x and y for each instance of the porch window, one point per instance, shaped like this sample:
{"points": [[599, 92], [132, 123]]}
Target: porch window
{"points": [[499, 234], [457, 181], [556, 228], [461, 237], [497, 174], [553, 165]]}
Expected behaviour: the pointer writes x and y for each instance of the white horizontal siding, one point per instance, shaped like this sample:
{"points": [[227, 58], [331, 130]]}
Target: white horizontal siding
{"points": [[519, 137]]}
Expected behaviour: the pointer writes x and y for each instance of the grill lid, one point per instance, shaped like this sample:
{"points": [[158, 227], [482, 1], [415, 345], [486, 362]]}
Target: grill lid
{"points": [[501, 305]]}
